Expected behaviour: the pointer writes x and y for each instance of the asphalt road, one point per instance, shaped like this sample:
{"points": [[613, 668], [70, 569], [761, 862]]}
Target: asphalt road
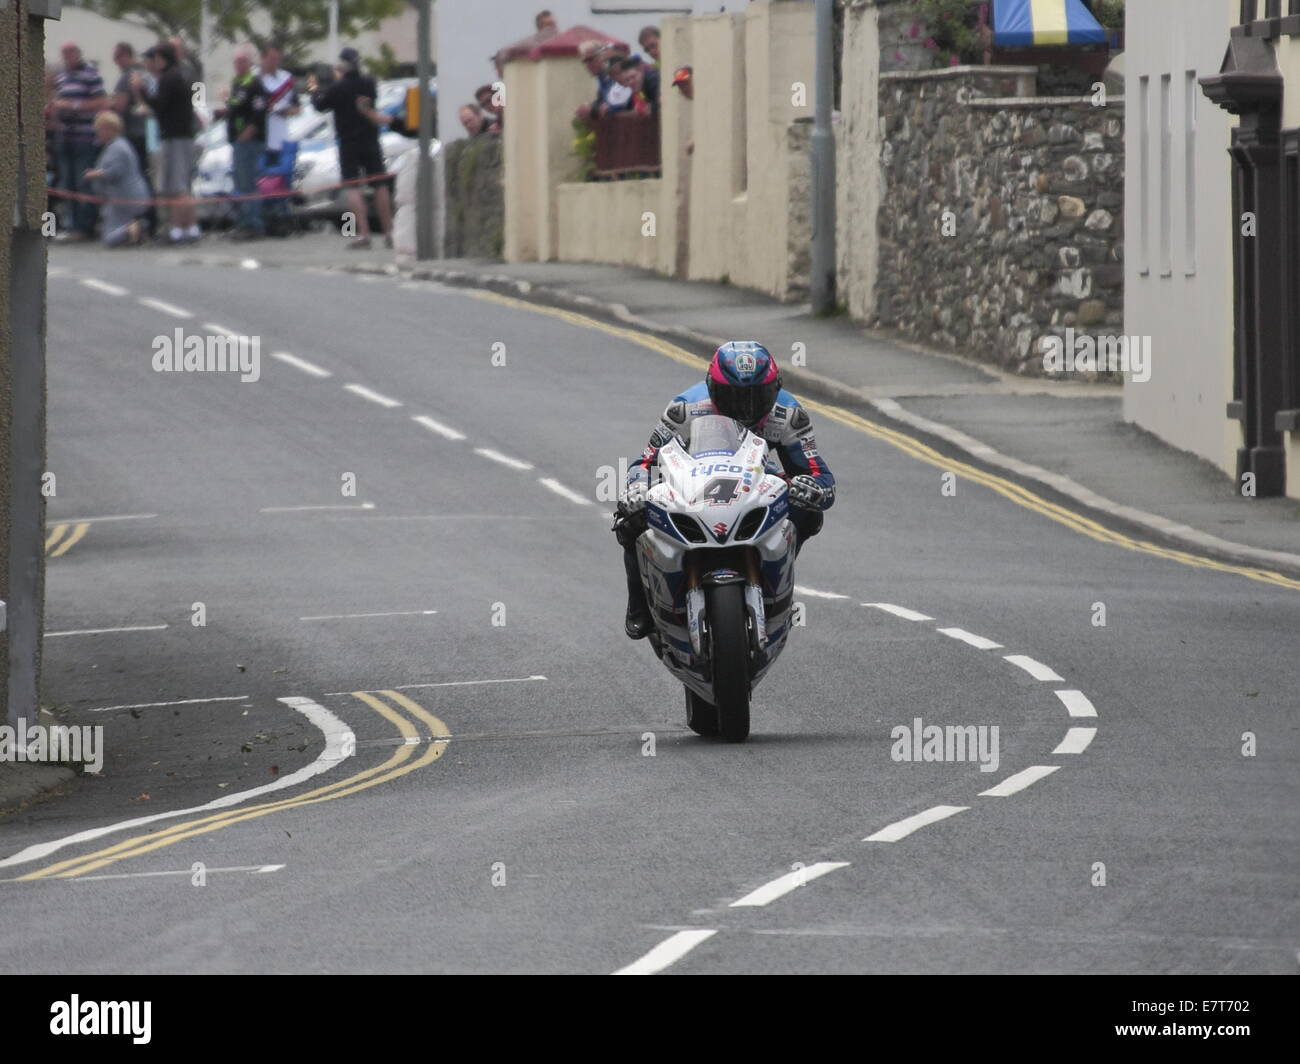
{"points": [[542, 836]]}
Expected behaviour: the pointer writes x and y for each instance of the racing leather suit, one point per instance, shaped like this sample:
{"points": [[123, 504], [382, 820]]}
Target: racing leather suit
{"points": [[788, 432]]}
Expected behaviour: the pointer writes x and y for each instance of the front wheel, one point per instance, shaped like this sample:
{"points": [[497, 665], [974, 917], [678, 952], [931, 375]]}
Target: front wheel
{"points": [[729, 645]]}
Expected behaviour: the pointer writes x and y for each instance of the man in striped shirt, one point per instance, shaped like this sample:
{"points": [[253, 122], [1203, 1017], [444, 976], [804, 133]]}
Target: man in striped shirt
{"points": [[78, 97]]}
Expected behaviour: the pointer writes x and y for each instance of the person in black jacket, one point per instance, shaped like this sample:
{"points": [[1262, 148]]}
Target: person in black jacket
{"points": [[172, 103], [356, 125]]}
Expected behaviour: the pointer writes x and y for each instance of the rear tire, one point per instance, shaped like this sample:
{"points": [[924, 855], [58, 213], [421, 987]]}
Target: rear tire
{"points": [[701, 717], [729, 642]]}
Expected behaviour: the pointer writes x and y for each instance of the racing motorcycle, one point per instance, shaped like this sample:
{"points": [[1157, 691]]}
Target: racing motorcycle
{"points": [[717, 562]]}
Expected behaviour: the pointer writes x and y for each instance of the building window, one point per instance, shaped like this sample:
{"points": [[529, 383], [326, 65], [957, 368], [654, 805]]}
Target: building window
{"points": [[1144, 175], [1189, 171], [1166, 172]]}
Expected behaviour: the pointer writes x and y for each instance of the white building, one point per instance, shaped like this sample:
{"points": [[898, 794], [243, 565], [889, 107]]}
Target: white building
{"points": [[1178, 276]]}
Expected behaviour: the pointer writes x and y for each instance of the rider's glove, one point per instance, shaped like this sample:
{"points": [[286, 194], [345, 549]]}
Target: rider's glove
{"points": [[632, 501], [807, 494]]}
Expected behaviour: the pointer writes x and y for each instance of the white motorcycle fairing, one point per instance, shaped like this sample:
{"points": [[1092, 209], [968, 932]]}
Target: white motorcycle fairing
{"points": [[716, 516]]}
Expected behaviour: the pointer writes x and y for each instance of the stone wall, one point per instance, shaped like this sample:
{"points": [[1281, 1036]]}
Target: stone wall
{"points": [[1001, 217], [475, 198]]}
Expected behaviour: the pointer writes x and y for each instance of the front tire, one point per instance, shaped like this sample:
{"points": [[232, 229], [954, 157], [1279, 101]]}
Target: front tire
{"points": [[729, 643], [701, 717]]}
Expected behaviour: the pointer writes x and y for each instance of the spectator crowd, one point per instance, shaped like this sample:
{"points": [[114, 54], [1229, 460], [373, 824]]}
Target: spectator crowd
{"points": [[121, 153]]}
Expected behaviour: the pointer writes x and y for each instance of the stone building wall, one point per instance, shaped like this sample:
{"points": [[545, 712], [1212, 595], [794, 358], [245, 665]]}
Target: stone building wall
{"points": [[1001, 217]]}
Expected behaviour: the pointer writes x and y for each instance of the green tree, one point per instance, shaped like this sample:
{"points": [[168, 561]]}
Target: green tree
{"points": [[297, 24], [294, 24]]}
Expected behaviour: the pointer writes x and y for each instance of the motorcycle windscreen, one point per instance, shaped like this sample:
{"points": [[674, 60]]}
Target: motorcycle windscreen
{"points": [[713, 434]]}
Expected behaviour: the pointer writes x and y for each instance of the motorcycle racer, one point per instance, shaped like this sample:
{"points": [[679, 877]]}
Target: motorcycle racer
{"points": [[743, 383]]}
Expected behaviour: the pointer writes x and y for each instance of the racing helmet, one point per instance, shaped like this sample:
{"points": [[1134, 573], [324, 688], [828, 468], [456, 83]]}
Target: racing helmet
{"points": [[743, 381]]}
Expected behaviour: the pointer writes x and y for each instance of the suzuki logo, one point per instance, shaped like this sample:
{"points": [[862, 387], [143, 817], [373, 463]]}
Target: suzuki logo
{"points": [[720, 529]]}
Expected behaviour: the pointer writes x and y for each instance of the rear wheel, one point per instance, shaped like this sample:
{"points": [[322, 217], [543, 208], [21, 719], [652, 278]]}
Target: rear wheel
{"points": [[729, 645], [701, 717]]}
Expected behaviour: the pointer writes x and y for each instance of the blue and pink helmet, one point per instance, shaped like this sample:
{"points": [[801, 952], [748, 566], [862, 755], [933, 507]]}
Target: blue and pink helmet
{"points": [[743, 381]]}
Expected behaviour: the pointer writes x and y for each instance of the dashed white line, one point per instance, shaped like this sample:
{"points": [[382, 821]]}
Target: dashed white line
{"points": [[564, 493], [902, 828], [977, 641], [1036, 669], [783, 885], [669, 951], [105, 631], [301, 363], [898, 611], [1019, 781], [1076, 741], [1077, 703], [179, 702], [504, 459], [166, 308], [340, 744], [219, 329], [346, 616], [812, 592], [451, 683], [445, 431], [103, 286], [374, 397]]}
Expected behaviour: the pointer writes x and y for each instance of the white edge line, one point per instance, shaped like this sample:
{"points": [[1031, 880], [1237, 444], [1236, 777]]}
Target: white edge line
{"points": [[108, 631], [350, 616], [340, 744], [253, 870], [91, 520], [504, 459], [301, 363], [783, 885], [181, 702], [446, 431], [1077, 703], [218, 329], [669, 951], [453, 683], [166, 308], [969, 638], [1036, 669], [300, 509], [900, 829], [563, 492], [899, 611], [373, 396], [1018, 782], [1076, 741]]}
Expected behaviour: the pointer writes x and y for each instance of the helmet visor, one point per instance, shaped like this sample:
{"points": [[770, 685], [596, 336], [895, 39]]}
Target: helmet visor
{"points": [[747, 405]]}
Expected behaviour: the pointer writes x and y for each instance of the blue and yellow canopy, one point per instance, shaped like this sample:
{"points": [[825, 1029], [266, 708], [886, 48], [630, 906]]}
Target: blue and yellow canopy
{"points": [[1033, 23]]}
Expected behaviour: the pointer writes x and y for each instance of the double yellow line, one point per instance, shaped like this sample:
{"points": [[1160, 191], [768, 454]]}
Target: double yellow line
{"points": [[910, 445], [56, 545], [399, 764]]}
